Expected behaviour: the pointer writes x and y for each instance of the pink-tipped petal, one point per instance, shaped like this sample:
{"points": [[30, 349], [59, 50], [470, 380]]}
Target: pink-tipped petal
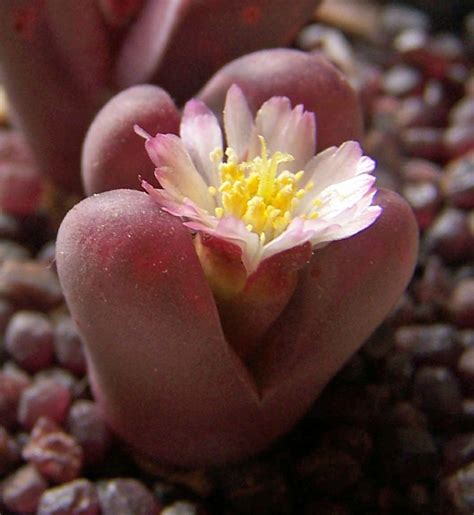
{"points": [[201, 135], [238, 122], [286, 130], [175, 170]]}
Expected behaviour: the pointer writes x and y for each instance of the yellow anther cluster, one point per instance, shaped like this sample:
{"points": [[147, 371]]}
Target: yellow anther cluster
{"points": [[257, 192]]}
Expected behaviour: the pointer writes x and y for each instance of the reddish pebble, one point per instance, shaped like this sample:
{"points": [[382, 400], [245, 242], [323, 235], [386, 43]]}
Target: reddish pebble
{"points": [[68, 346], [22, 490], [9, 451], [12, 250], [78, 497], [46, 398], [424, 142], [424, 199], [436, 390], [429, 344], [458, 140], [127, 497], [54, 453], [450, 236], [12, 383], [461, 304], [30, 284], [29, 340], [90, 430], [401, 80], [457, 183]]}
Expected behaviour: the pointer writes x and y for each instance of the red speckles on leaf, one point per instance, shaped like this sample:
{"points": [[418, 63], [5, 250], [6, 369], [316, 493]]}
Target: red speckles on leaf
{"points": [[25, 18], [251, 15]]}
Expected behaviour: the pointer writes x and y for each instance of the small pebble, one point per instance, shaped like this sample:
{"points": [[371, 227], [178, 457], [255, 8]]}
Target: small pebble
{"points": [[459, 451], [22, 490], [424, 199], [89, 429], [459, 489], [408, 453], [54, 453], [12, 250], [126, 497], [401, 80], [182, 508], [457, 183], [436, 390], [450, 236], [461, 304], [429, 344], [78, 497], [30, 284], [68, 346], [13, 382], [29, 340], [46, 398], [9, 451], [423, 142]]}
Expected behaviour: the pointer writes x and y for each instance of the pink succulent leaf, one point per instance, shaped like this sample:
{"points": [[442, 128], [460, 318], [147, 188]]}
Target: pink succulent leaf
{"points": [[201, 135]]}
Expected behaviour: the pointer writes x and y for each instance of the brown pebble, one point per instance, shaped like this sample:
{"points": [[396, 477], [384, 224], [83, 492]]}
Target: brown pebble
{"points": [[10, 250], [22, 490], [450, 236], [68, 346], [78, 497], [458, 140], [127, 497], [30, 285], [459, 490], [429, 344], [13, 382], [46, 398], [408, 453], [461, 304], [425, 199], [457, 183], [9, 451], [436, 390], [29, 340], [458, 451], [54, 453], [89, 429], [423, 142]]}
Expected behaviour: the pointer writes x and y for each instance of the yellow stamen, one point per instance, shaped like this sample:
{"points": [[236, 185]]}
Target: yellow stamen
{"points": [[257, 192]]}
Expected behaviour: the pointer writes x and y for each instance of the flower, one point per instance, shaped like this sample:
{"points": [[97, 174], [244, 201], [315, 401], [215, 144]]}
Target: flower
{"points": [[267, 192]]}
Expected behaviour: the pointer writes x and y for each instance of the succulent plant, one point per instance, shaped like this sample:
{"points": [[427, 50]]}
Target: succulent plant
{"points": [[60, 61], [216, 307]]}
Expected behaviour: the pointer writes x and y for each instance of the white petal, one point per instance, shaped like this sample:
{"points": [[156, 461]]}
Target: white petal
{"points": [[175, 170], [238, 122], [201, 135], [286, 130], [356, 225], [337, 165]]}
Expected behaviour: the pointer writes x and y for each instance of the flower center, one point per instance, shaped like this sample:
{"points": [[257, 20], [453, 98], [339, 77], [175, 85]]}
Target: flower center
{"points": [[256, 192]]}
